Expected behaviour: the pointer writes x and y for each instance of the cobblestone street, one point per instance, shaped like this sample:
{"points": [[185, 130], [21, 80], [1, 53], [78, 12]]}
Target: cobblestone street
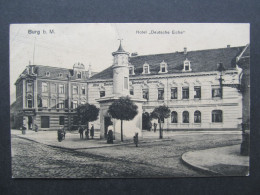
{"points": [[157, 159]]}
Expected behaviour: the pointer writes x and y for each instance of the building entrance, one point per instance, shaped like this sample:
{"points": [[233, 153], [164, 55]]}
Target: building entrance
{"points": [[30, 122], [107, 122]]}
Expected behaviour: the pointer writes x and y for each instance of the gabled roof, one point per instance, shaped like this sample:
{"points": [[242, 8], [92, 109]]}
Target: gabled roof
{"points": [[202, 60]]}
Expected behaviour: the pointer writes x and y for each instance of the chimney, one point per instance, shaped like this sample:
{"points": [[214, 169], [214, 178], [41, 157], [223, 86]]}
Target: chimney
{"points": [[89, 71], [185, 50], [228, 46]]}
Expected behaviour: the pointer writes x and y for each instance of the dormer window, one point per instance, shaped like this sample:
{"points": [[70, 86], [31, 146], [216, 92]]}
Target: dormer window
{"points": [[186, 65], [79, 75], [60, 75], [47, 74], [131, 70], [163, 67], [146, 69]]}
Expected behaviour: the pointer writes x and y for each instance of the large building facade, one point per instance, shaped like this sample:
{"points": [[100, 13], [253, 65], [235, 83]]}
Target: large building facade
{"points": [[201, 88]]}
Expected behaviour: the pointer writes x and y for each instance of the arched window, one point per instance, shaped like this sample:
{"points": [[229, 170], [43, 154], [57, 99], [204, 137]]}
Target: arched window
{"points": [[217, 116], [197, 117], [131, 70], [79, 75], [174, 117], [186, 65], [163, 67], [185, 117], [146, 69]]}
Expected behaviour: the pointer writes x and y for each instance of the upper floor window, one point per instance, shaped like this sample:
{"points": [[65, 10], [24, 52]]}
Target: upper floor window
{"points": [[29, 87], [131, 70], [197, 117], [29, 103], [146, 69], [185, 93], [61, 104], [126, 82], [174, 93], [217, 116], [163, 67], [75, 104], [60, 75], [146, 94], [44, 87], [53, 88], [61, 89], [79, 74], [216, 92], [174, 117], [186, 65], [53, 103], [44, 103], [161, 94], [185, 117], [197, 92], [83, 90], [47, 74], [75, 90], [102, 93]]}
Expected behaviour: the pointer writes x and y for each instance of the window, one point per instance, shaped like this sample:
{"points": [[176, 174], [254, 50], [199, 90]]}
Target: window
{"points": [[75, 104], [102, 93], [174, 93], [79, 75], [163, 67], [131, 70], [186, 65], [174, 117], [146, 94], [61, 89], [29, 103], [217, 116], [83, 102], [83, 90], [75, 90], [131, 91], [60, 75], [216, 92], [161, 94], [61, 104], [126, 82], [53, 103], [47, 74], [53, 88], [61, 120], [44, 87], [185, 117], [146, 69], [45, 122], [197, 117], [29, 87], [44, 103], [185, 93], [197, 92]]}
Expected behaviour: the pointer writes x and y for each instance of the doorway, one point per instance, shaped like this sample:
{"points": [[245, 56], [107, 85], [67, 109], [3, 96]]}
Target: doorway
{"points": [[107, 122], [30, 122]]}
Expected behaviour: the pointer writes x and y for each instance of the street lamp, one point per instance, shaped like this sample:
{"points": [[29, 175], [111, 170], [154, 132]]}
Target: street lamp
{"points": [[221, 69]]}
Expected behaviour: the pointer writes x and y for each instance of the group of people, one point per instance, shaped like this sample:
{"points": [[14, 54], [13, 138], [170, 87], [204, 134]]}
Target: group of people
{"points": [[87, 131]]}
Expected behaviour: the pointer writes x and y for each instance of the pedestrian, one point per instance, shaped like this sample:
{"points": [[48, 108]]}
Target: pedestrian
{"points": [[81, 132], [136, 139], [36, 128], [87, 133], [155, 126], [92, 131]]}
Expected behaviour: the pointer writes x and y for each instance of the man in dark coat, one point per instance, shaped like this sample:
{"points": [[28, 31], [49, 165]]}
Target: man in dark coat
{"points": [[92, 131], [81, 132]]}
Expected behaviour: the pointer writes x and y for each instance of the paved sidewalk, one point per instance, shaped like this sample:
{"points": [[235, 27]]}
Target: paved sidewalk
{"points": [[219, 161]]}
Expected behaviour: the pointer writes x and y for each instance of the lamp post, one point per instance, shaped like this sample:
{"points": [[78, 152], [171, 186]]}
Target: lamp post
{"points": [[221, 69]]}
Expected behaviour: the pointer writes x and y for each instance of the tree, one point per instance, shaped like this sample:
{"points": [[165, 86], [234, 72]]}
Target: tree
{"points": [[87, 113], [146, 121], [161, 113], [123, 109]]}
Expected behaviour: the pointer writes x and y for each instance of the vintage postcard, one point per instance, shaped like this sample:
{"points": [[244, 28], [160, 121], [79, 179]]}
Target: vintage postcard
{"points": [[129, 100]]}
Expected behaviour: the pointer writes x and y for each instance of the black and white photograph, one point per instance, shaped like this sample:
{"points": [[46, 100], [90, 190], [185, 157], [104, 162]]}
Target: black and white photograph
{"points": [[129, 100]]}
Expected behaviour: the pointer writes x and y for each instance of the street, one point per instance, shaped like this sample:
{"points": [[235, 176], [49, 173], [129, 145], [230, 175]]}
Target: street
{"points": [[157, 159]]}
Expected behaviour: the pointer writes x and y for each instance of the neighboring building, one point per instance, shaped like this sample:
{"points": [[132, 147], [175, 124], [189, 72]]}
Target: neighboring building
{"points": [[187, 82]]}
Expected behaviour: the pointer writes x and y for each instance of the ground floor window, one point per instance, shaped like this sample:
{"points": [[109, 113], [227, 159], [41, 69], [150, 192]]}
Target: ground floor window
{"points": [[61, 120], [197, 117], [102, 93], [217, 116], [185, 117], [45, 122], [174, 117]]}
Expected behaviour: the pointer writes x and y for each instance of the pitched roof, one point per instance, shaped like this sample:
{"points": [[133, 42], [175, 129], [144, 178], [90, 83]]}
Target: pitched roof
{"points": [[202, 60]]}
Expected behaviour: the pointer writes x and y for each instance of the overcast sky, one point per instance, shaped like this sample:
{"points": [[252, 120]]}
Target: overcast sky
{"points": [[63, 45]]}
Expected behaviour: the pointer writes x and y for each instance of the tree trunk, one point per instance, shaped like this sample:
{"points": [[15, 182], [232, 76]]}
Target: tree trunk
{"points": [[122, 131], [160, 129], [87, 125]]}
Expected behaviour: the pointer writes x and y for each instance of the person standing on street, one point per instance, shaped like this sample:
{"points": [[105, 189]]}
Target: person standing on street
{"points": [[81, 132], [92, 131]]}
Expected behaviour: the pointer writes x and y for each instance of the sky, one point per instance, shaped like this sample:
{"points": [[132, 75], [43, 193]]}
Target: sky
{"points": [[63, 45]]}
